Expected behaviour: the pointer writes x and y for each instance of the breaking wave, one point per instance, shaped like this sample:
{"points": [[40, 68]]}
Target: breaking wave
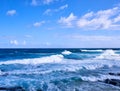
{"points": [[109, 54], [66, 65], [99, 78], [49, 59], [66, 52], [92, 50]]}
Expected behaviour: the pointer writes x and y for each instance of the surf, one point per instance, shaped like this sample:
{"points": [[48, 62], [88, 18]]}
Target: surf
{"points": [[92, 50], [35, 61], [66, 52], [109, 54]]}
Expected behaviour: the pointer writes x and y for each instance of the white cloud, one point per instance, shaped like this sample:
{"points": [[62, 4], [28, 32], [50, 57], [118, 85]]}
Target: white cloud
{"points": [[11, 12], [34, 3], [108, 19], [94, 37], [48, 1], [24, 42], [104, 19], [28, 36], [47, 43], [40, 2], [68, 21], [49, 11], [14, 42], [117, 19], [62, 7], [38, 24]]}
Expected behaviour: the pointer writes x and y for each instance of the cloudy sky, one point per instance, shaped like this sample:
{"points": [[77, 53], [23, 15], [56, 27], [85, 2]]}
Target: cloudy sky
{"points": [[59, 23]]}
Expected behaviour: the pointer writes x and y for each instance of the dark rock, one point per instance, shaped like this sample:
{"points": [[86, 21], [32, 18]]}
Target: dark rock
{"points": [[11, 89], [39, 90], [115, 82], [115, 74], [3, 73], [112, 74], [118, 74], [76, 89]]}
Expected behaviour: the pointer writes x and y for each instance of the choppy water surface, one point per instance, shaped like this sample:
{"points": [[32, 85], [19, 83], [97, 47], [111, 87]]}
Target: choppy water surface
{"points": [[59, 69]]}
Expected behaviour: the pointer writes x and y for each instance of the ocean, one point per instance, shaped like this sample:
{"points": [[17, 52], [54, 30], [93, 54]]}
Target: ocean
{"points": [[59, 69]]}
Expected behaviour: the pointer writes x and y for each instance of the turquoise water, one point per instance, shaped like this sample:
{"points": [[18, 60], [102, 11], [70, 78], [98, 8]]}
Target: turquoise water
{"points": [[59, 69]]}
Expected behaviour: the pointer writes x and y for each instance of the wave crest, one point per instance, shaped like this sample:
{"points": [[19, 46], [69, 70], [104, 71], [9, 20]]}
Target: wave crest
{"points": [[49, 59], [100, 78], [66, 52], [92, 50], [109, 54]]}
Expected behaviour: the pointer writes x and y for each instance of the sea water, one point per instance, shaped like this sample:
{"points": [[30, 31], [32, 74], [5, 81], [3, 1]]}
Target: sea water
{"points": [[59, 69]]}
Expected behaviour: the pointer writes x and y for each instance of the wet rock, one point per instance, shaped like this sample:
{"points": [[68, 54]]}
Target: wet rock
{"points": [[115, 82], [115, 74], [11, 89], [39, 90], [112, 74]]}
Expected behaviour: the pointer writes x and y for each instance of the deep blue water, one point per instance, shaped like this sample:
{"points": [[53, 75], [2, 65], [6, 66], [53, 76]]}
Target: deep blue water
{"points": [[59, 69]]}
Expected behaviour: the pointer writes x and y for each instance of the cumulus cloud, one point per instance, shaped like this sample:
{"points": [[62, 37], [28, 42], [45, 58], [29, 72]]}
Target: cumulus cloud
{"points": [[108, 19], [14, 42], [38, 24], [68, 21], [11, 12], [104, 19]]}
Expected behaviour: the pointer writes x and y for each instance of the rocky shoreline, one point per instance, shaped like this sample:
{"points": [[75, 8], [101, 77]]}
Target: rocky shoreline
{"points": [[115, 82], [14, 89], [11, 89]]}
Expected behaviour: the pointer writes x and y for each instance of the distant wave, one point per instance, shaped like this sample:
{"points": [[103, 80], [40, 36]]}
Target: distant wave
{"points": [[92, 50], [109, 54], [49, 59], [69, 65], [66, 52]]}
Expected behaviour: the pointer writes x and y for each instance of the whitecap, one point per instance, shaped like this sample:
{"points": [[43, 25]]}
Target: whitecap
{"points": [[98, 78], [66, 52], [92, 50], [109, 54], [48, 59]]}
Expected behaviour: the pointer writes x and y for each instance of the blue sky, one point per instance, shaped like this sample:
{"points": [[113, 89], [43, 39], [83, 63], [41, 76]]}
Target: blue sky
{"points": [[59, 23]]}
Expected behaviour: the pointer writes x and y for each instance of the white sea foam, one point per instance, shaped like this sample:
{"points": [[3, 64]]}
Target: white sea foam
{"points": [[28, 72], [66, 52], [109, 54], [90, 64], [66, 66], [1, 72], [49, 59], [91, 50], [98, 78]]}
